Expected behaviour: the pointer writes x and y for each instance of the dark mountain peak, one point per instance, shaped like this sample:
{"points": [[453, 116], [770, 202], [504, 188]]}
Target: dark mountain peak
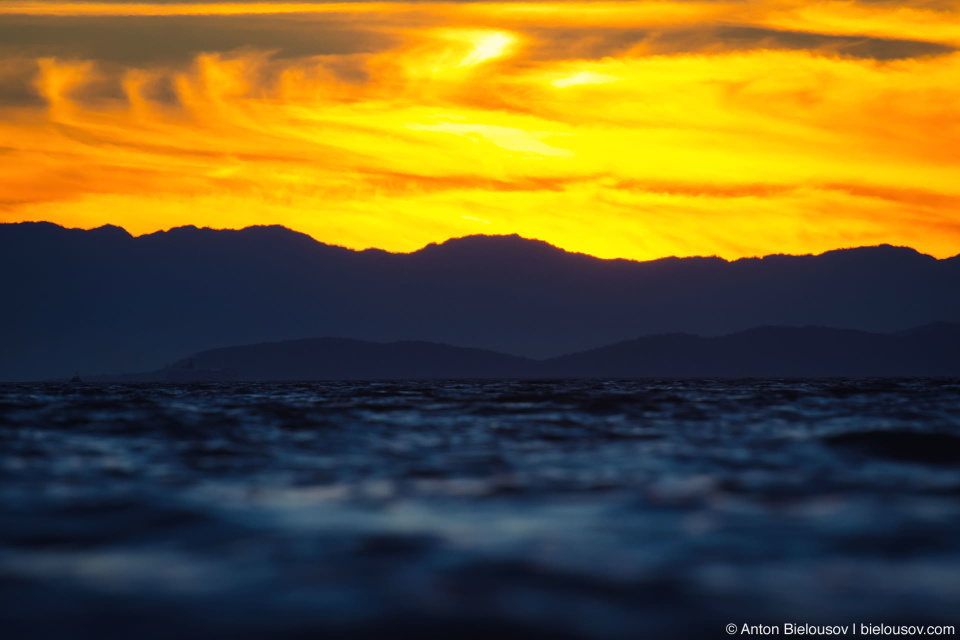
{"points": [[695, 263], [492, 244], [772, 257], [867, 255], [259, 230], [278, 235], [880, 252], [374, 251], [49, 226], [883, 249], [256, 240], [275, 231], [110, 232], [184, 231], [44, 237], [17, 230], [36, 229]]}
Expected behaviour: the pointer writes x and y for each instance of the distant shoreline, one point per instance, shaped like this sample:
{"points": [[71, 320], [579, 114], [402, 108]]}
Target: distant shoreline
{"points": [[788, 352]]}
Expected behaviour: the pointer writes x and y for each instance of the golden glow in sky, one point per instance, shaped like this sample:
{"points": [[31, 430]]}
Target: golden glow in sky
{"points": [[621, 129]]}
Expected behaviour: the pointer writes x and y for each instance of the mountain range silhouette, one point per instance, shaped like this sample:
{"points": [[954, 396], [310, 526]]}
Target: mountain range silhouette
{"points": [[932, 350], [105, 301]]}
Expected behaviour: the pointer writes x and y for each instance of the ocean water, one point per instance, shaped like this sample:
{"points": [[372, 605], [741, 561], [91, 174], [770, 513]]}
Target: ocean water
{"points": [[526, 509]]}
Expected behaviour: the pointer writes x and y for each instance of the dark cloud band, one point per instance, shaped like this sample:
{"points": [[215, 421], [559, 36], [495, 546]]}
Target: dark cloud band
{"points": [[595, 43], [144, 41]]}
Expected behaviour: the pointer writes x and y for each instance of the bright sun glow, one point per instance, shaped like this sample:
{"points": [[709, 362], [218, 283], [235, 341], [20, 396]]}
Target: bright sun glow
{"points": [[486, 45]]}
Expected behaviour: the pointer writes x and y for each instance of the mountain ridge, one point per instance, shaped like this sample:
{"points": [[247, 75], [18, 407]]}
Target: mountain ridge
{"points": [[930, 350], [103, 300], [457, 241]]}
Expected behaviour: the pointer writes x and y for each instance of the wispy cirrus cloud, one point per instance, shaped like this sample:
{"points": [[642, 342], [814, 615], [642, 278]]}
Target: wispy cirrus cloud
{"points": [[634, 129]]}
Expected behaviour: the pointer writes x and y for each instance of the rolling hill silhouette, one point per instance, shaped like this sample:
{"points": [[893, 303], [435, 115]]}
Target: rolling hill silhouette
{"points": [[105, 301], [933, 350], [344, 359]]}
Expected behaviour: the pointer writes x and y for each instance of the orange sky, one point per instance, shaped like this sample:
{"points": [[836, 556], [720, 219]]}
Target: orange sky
{"points": [[620, 129]]}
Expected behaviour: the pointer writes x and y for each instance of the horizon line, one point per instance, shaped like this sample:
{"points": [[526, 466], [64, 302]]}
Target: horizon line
{"points": [[438, 243]]}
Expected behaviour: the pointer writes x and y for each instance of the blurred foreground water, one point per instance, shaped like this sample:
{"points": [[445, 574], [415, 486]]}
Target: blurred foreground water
{"points": [[554, 509]]}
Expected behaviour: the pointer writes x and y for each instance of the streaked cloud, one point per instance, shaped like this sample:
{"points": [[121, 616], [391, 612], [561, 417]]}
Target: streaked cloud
{"points": [[154, 41], [636, 129]]}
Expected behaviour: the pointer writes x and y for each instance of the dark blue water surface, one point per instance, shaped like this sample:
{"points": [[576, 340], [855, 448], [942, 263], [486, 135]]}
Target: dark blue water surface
{"points": [[593, 509]]}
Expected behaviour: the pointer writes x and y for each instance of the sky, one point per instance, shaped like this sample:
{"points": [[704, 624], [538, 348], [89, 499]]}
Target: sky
{"points": [[620, 129]]}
